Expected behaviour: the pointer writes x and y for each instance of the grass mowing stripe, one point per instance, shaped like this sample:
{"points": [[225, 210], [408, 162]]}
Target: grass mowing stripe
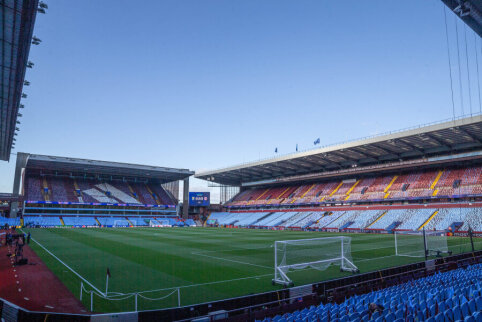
{"points": [[160, 260], [231, 260], [68, 267]]}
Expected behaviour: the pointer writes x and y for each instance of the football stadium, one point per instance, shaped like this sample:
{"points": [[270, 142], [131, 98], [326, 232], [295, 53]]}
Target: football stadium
{"points": [[386, 227]]}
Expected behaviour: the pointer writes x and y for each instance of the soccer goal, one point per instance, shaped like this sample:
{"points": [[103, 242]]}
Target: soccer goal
{"points": [[421, 243], [154, 223], [121, 223], [315, 253]]}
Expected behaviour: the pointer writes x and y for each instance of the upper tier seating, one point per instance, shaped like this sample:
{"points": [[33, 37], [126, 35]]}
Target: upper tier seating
{"points": [[451, 296], [34, 189], [119, 195], [163, 196], [426, 184], [143, 193], [60, 189]]}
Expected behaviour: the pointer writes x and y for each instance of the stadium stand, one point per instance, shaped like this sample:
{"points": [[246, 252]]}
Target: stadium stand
{"points": [[451, 296], [79, 221], [432, 184], [63, 189], [42, 221], [362, 220]]}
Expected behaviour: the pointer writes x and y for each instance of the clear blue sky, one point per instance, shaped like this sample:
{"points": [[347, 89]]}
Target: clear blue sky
{"points": [[207, 84]]}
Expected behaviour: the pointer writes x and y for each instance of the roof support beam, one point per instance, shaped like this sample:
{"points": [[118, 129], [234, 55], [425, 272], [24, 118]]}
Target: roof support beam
{"points": [[439, 141], [366, 154], [473, 137], [410, 145]]}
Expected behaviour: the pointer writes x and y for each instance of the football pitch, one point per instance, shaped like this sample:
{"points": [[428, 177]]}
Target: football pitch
{"points": [[191, 265]]}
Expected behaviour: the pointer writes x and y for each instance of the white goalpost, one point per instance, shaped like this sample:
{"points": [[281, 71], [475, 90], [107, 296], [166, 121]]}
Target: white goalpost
{"points": [[122, 223], [159, 223], [421, 243], [315, 253]]}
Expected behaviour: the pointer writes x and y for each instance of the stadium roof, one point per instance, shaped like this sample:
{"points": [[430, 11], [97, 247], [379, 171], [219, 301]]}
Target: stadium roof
{"points": [[438, 139], [18, 17], [8, 197], [470, 11], [53, 164]]}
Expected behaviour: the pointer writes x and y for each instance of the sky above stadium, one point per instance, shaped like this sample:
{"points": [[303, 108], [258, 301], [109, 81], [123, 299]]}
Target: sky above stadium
{"points": [[208, 84]]}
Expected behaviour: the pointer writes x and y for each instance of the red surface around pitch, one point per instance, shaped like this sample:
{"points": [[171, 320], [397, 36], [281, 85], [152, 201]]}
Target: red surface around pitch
{"points": [[33, 286]]}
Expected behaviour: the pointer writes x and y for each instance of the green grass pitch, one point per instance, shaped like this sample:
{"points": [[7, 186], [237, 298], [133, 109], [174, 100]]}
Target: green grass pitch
{"points": [[206, 264]]}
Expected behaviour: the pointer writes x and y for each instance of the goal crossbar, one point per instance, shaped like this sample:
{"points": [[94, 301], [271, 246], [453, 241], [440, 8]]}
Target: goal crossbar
{"points": [[315, 253], [420, 243]]}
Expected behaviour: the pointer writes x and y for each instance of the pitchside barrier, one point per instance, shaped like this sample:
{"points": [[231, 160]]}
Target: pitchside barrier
{"points": [[114, 296], [258, 306]]}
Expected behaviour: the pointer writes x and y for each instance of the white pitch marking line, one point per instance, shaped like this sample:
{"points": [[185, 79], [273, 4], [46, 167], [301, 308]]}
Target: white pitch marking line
{"points": [[43, 247], [208, 283], [231, 260]]}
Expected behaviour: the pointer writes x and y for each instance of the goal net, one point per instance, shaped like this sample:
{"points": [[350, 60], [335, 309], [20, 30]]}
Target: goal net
{"points": [[315, 253], [121, 223], [159, 223], [415, 244]]}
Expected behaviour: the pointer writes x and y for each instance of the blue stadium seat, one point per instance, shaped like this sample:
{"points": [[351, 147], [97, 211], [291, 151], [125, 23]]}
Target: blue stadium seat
{"points": [[420, 316], [440, 317], [478, 316], [465, 309], [472, 306], [457, 313], [435, 298], [449, 315], [448, 303], [441, 306], [390, 317], [478, 302], [380, 319]]}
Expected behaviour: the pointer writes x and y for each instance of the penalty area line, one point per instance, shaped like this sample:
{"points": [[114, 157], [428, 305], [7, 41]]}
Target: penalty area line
{"points": [[231, 260], [68, 267]]}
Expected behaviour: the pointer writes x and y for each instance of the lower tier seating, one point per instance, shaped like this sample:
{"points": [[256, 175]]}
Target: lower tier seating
{"points": [[451, 296], [380, 219]]}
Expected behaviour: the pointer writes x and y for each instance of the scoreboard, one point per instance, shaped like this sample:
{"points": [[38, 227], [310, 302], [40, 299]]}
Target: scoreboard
{"points": [[199, 199]]}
